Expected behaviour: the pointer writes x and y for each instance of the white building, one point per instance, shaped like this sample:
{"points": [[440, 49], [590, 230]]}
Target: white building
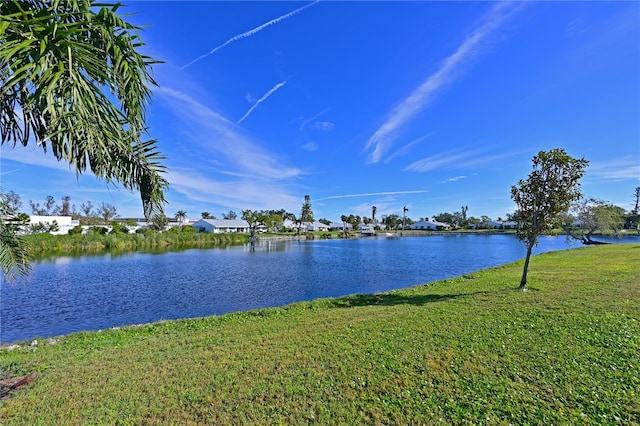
{"points": [[306, 226], [340, 226], [65, 223], [221, 226], [428, 225], [503, 224]]}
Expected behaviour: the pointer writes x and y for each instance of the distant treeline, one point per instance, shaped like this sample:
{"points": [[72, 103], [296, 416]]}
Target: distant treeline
{"points": [[42, 244]]}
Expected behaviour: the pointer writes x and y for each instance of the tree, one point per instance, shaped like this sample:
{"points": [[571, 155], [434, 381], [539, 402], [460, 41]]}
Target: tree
{"points": [[159, 222], [354, 221], [594, 216], [119, 227], [47, 209], [273, 221], [87, 209], [254, 219], [306, 214], [181, 215], [447, 218], [206, 215], [72, 81], [547, 193], [325, 221], [107, 212], [230, 216], [391, 221], [404, 219], [485, 222], [65, 210], [14, 261], [12, 201], [636, 194]]}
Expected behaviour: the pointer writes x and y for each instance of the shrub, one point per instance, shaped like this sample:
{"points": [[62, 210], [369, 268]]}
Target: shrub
{"points": [[144, 231], [101, 230], [76, 230]]}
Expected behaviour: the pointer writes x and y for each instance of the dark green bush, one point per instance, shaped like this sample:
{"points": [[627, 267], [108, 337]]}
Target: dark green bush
{"points": [[76, 230]]}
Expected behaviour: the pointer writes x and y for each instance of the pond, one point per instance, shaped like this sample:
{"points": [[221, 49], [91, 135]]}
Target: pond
{"points": [[69, 294]]}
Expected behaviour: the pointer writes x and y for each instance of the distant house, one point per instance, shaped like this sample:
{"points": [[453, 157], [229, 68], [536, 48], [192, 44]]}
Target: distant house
{"points": [[65, 223], [306, 226], [221, 226], [503, 224], [317, 226], [340, 226], [424, 225]]}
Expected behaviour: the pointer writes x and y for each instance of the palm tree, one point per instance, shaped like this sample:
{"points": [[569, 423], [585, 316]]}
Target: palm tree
{"points": [[181, 215], [13, 254], [73, 82]]}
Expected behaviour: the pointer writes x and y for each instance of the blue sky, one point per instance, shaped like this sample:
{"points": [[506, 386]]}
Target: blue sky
{"points": [[429, 105]]}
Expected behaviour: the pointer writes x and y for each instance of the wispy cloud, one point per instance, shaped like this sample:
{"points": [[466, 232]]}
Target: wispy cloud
{"points": [[249, 33], [261, 100], [310, 146], [32, 155], [406, 148], [306, 122], [454, 179], [325, 126], [370, 194], [216, 145], [438, 161], [382, 140], [238, 194], [620, 169], [461, 158]]}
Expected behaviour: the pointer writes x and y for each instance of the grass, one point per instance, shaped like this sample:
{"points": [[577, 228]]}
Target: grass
{"points": [[468, 350], [46, 244]]}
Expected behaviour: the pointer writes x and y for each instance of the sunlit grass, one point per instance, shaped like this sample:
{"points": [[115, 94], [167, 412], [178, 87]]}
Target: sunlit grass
{"points": [[471, 349], [47, 244]]}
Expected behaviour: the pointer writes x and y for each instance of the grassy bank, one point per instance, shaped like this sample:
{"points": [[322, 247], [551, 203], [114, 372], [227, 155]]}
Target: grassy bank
{"points": [[467, 350], [48, 244]]}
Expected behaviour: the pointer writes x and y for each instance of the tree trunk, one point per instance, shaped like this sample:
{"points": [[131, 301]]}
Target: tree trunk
{"points": [[523, 281]]}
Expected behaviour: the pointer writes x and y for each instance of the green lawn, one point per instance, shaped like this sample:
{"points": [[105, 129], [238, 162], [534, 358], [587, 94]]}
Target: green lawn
{"points": [[468, 350]]}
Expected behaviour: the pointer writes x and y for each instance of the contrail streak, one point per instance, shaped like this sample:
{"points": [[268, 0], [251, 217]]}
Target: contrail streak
{"points": [[259, 101], [333, 197], [250, 33]]}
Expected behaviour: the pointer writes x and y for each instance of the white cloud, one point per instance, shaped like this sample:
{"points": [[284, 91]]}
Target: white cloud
{"points": [[383, 139], [461, 158], [438, 161], [239, 194], [214, 138], [454, 179], [625, 168], [325, 126]]}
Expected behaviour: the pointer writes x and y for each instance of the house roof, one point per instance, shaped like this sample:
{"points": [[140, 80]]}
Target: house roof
{"points": [[432, 223], [226, 223]]}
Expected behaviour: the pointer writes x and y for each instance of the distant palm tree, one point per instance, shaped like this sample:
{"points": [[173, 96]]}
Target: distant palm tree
{"points": [[181, 215]]}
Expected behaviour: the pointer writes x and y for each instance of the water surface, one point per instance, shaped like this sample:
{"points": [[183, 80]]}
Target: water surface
{"points": [[68, 294]]}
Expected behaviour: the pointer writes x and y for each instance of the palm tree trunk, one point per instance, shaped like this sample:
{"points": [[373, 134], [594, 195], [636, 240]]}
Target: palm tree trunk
{"points": [[523, 281]]}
